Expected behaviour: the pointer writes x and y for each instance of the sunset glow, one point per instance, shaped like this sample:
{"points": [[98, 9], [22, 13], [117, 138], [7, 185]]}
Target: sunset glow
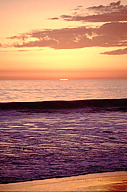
{"points": [[54, 39], [63, 95]]}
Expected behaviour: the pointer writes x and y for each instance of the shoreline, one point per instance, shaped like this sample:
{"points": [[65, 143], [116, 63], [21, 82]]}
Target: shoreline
{"points": [[107, 181]]}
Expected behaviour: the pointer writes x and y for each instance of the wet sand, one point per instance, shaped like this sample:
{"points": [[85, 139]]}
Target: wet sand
{"points": [[109, 181]]}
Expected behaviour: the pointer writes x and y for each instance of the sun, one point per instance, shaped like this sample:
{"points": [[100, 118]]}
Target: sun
{"points": [[63, 79]]}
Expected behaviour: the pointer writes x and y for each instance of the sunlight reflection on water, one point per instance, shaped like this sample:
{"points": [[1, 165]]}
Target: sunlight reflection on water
{"points": [[40, 90]]}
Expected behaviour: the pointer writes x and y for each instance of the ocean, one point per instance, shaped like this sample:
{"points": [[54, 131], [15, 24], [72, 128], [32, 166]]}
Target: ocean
{"points": [[52, 128], [49, 90]]}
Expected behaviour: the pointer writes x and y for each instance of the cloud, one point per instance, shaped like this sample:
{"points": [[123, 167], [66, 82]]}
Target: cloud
{"points": [[107, 35], [40, 43], [78, 8], [112, 12], [21, 36], [111, 34], [116, 52], [65, 38], [54, 18], [106, 17], [26, 50], [112, 7]]}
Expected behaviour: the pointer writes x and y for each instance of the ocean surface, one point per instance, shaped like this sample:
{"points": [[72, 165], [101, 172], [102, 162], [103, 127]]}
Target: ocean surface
{"points": [[49, 90], [79, 127]]}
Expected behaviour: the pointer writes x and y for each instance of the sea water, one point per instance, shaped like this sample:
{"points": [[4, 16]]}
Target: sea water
{"points": [[45, 90], [63, 142]]}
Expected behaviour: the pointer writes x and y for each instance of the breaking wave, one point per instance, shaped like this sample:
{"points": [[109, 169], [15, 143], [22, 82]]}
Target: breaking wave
{"points": [[95, 104]]}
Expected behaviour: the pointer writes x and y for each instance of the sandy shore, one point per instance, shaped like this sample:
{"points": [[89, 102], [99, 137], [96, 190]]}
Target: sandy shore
{"points": [[110, 181]]}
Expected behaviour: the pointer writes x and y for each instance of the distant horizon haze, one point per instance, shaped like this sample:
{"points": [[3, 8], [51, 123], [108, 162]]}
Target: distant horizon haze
{"points": [[59, 74]]}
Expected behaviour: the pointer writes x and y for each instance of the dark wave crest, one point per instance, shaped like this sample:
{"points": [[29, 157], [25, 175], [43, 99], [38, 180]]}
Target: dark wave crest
{"points": [[96, 104]]}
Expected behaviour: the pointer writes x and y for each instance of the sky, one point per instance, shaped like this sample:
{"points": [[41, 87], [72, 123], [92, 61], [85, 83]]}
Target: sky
{"points": [[54, 39]]}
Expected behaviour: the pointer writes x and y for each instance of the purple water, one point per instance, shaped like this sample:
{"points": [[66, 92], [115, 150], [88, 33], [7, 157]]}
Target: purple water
{"points": [[57, 143], [61, 143]]}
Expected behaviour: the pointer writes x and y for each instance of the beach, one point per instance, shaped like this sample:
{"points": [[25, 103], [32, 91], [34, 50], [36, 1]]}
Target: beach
{"points": [[109, 181]]}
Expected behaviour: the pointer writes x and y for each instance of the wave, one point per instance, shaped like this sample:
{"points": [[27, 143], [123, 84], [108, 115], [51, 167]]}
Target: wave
{"points": [[95, 104]]}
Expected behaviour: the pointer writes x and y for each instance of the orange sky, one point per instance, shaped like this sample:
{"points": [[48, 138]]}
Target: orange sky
{"points": [[55, 39]]}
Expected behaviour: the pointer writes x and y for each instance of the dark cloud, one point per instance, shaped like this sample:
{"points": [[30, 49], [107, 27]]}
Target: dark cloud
{"points": [[106, 17], [66, 17], [78, 8], [25, 50], [40, 43], [112, 34], [116, 52], [65, 38], [112, 7], [107, 35], [112, 12], [54, 18], [14, 37], [22, 36]]}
